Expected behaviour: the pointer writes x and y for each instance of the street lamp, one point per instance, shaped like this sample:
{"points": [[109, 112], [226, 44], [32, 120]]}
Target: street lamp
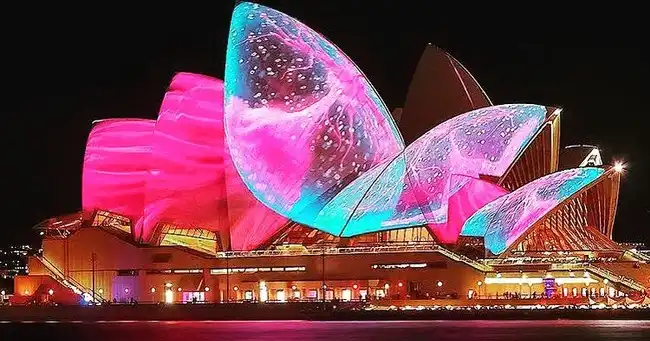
{"points": [[479, 283], [153, 291], [50, 292]]}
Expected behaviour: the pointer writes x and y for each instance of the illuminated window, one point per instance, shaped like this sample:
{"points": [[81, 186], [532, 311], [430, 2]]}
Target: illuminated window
{"points": [[248, 295], [296, 294], [280, 295], [312, 294], [169, 296], [437, 265], [602, 292], [264, 293], [612, 292], [363, 293], [187, 271], [379, 293], [346, 294], [574, 291], [565, 291], [193, 296]]}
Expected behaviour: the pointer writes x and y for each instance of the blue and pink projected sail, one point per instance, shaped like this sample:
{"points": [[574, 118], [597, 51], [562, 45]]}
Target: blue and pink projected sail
{"points": [[414, 189], [503, 221], [312, 140], [296, 133], [302, 122]]}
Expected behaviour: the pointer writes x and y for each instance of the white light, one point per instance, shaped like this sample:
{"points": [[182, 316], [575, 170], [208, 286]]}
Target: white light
{"points": [[169, 296], [619, 166]]}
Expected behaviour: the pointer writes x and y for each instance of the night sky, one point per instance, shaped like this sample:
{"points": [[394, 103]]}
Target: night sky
{"points": [[92, 63]]}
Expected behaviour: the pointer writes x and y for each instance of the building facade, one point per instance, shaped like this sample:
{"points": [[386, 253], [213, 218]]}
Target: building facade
{"points": [[291, 180]]}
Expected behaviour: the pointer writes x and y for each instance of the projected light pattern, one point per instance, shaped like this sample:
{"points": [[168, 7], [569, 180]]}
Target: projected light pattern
{"points": [[302, 122], [415, 188], [116, 166], [186, 185], [472, 195], [504, 220]]}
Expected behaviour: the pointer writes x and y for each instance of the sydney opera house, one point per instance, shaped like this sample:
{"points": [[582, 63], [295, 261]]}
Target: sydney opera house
{"points": [[291, 180]]}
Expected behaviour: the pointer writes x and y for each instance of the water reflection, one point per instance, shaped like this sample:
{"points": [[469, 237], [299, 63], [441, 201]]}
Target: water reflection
{"points": [[345, 331]]}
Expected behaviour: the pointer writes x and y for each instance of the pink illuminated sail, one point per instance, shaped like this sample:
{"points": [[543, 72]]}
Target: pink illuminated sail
{"points": [[116, 166], [186, 183]]}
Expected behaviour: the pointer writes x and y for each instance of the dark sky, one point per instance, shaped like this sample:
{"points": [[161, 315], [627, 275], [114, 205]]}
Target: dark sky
{"points": [[65, 68]]}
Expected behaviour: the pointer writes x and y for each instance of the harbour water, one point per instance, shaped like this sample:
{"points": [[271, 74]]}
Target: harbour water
{"points": [[573, 330]]}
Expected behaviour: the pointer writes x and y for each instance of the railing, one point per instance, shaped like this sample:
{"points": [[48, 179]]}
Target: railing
{"points": [[420, 247], [68, 281], [428, 247], [613, 277], [462, 258], [638, 255]]}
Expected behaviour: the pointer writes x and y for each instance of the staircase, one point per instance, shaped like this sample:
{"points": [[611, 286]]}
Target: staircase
{"points": [[461, 258], [638, 255], [616, 278], [68, 281]]}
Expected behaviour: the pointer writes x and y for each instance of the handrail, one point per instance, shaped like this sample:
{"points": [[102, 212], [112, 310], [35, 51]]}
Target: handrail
{"points": [[462, 258], [420, 247], [616, 277], [68, 281], [642, 256]]}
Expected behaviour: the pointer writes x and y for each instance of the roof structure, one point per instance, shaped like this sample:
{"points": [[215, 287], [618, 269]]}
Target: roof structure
{"points": [[298, 147]]}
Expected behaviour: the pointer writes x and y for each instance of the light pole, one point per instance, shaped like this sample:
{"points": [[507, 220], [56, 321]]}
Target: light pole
{"points": [[324, 286], [93, 258], [479, 283], [227, 278]]}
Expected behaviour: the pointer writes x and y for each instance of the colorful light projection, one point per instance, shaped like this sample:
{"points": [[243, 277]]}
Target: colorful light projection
{"points": [[302, 122], [312, 140], [415, 188], [186, 183], [116, 167], [504, 220], [472, 195]]}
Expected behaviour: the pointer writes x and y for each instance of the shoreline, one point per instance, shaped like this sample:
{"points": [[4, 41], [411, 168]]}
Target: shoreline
{"points": [[299, 312]]}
